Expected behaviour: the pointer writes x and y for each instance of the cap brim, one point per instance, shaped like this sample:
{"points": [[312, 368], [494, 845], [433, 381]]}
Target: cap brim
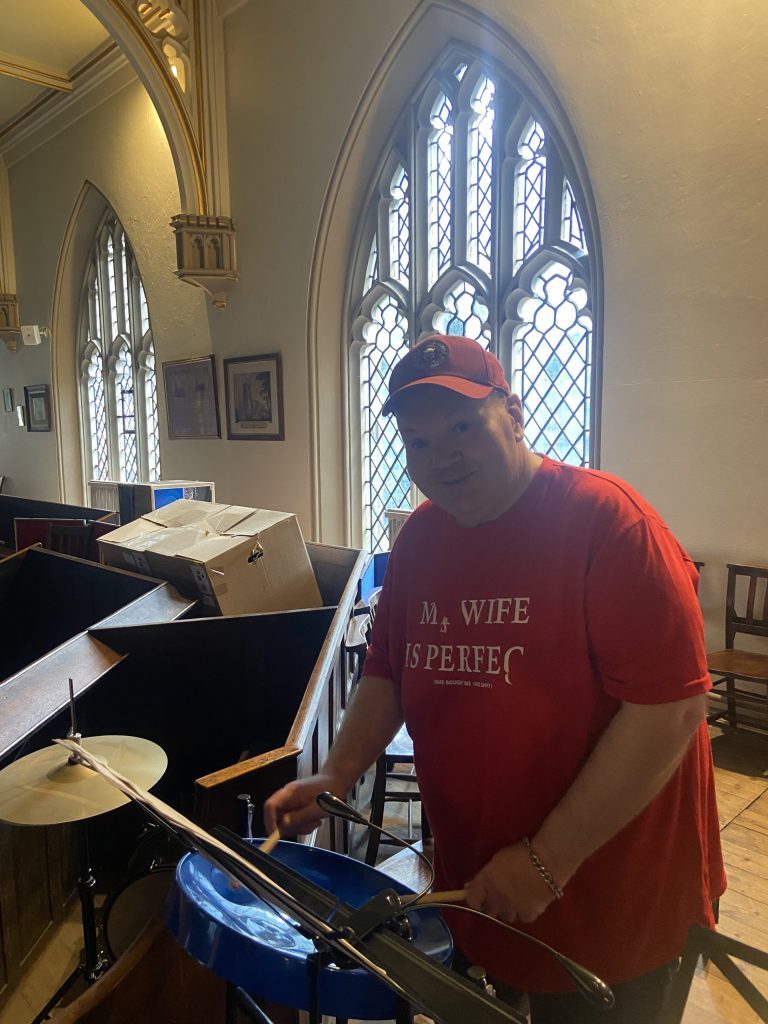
{"points": [[468, 388]]}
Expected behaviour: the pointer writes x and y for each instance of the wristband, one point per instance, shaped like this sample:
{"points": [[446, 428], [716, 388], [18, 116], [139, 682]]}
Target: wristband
{"points": [[555, 888]]}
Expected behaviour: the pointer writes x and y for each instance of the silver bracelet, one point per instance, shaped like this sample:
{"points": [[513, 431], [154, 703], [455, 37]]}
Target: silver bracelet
{"points": [[558, 892]]}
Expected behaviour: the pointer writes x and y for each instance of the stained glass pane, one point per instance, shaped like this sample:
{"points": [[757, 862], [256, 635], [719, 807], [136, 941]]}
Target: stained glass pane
{"points": [[464, 313], [399, 228], [126, 310], [385, 479], [480, 177], [112, 288], [372, 269], [440, 160], [126, 417], [97, 418], [153, 430], [94, 308], [572, 229], [143, 310], [553, 363], [428, 223], [530, 191]]}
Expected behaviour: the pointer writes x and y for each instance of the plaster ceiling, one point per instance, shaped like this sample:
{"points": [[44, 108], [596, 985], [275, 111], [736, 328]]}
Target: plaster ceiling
{"points": [[42, 43]]}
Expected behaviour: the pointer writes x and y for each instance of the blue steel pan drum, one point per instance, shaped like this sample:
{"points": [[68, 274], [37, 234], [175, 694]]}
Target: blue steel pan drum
{"points": [[242, 938]]}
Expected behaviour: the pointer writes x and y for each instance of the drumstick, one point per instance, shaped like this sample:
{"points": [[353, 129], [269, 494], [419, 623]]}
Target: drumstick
{"points": [[271, 841], [447, 896]]}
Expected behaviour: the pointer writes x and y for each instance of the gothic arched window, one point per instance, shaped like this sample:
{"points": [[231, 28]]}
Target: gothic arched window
{"points": [[116, 357], [474, 227]]}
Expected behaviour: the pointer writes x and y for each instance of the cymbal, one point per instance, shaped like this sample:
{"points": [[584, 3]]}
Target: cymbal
{"points": [[44, 789]]}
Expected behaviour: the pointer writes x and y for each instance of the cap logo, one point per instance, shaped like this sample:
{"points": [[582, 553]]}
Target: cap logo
{"points": [[430, 355]]}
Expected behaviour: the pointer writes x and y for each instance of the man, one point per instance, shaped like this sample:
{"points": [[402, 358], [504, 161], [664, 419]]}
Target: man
{"points": [[539, 633]]}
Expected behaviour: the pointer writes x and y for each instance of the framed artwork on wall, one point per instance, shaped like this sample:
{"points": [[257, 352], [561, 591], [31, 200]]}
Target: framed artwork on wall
{"points": [[8, 399], [253, 388], [37, 403], [191, 398]]}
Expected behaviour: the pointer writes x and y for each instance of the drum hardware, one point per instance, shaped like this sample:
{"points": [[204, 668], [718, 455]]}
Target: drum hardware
{"points": [[338, 808], [249, 808], [49, 787], [593, 988], [239, 1001], [477, 974], [413, 976]]}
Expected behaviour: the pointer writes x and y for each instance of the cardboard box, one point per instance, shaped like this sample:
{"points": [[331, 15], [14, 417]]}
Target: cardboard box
{"points": [[233, 559]]}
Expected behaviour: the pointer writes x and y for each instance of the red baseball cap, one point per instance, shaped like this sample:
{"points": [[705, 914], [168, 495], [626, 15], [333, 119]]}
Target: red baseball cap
{"points": [[448, 361]]}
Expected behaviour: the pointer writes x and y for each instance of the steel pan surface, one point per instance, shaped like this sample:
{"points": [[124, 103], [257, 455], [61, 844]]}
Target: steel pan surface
{"points": [[241, 938]]}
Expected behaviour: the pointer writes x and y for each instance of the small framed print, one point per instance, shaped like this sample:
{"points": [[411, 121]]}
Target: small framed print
{"points": [[253, 386], [191, 398], [37, 403], [8, 399]]}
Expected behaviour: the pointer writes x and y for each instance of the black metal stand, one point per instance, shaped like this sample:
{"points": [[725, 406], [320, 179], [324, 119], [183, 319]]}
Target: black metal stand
{"points": [[239, 999], [94, 962]]}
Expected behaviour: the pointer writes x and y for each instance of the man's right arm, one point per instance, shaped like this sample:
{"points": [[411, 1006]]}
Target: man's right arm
{"points": [[371, 719]]}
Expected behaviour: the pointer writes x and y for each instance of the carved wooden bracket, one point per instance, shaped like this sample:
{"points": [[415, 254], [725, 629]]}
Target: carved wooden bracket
{"points": [[10, 331], [205, 254], [177, 49]]}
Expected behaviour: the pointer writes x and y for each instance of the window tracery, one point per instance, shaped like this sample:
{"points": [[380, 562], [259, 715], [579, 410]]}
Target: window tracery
{"points": [[482, 235]]}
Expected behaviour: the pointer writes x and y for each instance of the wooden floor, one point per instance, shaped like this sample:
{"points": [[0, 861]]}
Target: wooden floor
{"points": [[741, 760], [741, 766]]}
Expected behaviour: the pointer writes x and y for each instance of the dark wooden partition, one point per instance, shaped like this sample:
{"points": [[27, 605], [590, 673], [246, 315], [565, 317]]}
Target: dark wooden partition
{"points": [[12, 507], [47, 602], [47, 598], [240, 703]]}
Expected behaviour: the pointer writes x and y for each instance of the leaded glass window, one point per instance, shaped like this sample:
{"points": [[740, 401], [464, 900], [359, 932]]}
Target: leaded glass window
{"points": [[475, 228], [118, 383]]}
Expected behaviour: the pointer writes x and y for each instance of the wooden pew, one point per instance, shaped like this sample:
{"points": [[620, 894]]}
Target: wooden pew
{"points": [[239, 703], [47, 602], [12, 507]]}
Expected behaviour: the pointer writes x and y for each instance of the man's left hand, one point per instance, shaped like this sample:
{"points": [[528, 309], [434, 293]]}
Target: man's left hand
{"points": [[509, 887]]}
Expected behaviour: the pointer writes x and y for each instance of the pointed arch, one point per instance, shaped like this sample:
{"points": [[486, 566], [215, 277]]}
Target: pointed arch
{"points": [[443, 40], [102, 354]]}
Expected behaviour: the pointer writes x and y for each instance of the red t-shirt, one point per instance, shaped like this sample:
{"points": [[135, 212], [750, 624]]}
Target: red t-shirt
{"points": [[514, 644]]}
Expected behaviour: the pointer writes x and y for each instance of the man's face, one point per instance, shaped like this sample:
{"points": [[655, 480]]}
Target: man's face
{"points": [[466, 455]]}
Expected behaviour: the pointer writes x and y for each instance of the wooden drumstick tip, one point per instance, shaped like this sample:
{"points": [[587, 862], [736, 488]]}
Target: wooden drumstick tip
{"points": [[271, 841], [447, 896]]}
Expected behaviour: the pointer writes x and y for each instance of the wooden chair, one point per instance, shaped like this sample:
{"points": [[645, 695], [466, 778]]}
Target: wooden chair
{"points": [[398, 753], [746, 612], [68, 538]]}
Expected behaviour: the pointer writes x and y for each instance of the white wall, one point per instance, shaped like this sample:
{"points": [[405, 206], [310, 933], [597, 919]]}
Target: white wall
{"points": [[668, 102]]}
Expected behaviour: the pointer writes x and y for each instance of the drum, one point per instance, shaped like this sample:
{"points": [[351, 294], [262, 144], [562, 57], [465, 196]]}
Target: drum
{"points": [[128, 910], [142, 893], [240, 937]]}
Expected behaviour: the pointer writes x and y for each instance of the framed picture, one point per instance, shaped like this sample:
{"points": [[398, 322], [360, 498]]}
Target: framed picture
{"points": [[253, 386], [37, 402], [191, 398], [8, 399]]}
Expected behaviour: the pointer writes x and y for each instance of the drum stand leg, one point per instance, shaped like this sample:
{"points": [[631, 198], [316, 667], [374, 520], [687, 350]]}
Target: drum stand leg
{"points": [[403, 1012], [94, 963], [238, 999]]}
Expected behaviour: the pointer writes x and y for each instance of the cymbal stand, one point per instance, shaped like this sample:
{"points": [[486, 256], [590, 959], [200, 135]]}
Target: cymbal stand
{"points": [[94, 961]]}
